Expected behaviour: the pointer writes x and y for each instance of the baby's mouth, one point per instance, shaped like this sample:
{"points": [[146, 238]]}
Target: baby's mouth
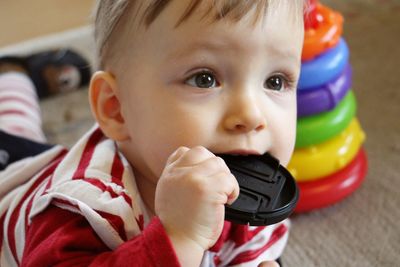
{"points": [[241, 152]]}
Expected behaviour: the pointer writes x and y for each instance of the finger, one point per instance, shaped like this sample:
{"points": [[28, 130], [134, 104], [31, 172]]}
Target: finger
{"points": [[268, 264], [211, 166], [225, 186], [195, 156], [177, 154], [217, 167], [234, 194]]}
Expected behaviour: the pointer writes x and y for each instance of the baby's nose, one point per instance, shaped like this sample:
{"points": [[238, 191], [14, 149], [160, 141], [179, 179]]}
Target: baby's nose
{"points": [[245, 114]]}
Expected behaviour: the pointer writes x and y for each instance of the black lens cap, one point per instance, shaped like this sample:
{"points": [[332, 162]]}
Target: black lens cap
{"points": [[268, 192]]}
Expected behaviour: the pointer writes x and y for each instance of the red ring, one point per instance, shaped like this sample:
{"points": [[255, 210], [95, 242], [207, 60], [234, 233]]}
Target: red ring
{"points": [[324, 34], [331, 189]]}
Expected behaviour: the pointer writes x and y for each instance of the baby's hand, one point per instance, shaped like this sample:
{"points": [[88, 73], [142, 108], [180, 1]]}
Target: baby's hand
{"points": [[268, 264], [191, 194]]}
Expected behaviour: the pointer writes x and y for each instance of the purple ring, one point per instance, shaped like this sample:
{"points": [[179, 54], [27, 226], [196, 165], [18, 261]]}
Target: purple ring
{"points": [[325, 97]]}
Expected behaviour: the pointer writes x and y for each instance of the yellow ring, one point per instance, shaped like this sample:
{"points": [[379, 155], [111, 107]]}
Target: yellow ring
{"points": [[313, 162]]}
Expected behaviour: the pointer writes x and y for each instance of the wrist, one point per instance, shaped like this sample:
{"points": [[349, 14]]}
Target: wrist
{"points": [[188, 251]]}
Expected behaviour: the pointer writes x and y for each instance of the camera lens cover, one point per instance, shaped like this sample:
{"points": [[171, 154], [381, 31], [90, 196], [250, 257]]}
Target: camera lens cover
{"points": [[268, 192]]}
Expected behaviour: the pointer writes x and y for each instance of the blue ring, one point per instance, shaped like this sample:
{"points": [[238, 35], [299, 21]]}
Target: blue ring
{"points": [[325, 67]]}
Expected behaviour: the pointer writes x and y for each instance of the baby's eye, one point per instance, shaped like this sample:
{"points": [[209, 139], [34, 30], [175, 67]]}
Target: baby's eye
{"points": [[202, 80], [275, 83]]}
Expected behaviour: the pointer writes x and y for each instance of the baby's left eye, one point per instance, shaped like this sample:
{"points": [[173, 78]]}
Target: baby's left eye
{"points": [[275, 83], [202, 80]]}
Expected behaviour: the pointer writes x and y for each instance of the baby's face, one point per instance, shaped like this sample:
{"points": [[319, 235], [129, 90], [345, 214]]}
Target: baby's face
{"points": [[230, 87]]}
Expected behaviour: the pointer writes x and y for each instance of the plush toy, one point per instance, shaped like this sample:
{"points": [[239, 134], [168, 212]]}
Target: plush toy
{"points": [[54, 71]]}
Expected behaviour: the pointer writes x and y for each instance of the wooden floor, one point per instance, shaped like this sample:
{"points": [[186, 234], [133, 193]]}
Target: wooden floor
{"points": [[25, 19]]}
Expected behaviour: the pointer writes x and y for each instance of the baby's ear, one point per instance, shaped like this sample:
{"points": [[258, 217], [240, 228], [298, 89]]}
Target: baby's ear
{"points": [[106, 106]]}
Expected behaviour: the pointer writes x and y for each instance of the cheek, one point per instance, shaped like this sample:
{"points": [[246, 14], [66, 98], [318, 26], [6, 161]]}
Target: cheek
{"points": [[288, 140], [170, 132], [284, 136], [188, 129]]}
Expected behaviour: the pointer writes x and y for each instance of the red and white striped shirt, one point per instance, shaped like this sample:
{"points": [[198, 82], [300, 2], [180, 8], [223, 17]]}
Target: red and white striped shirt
{"points": [[82, 208]]}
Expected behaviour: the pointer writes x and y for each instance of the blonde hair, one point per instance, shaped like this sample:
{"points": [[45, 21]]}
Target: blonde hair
{"points": [[109, 14]]}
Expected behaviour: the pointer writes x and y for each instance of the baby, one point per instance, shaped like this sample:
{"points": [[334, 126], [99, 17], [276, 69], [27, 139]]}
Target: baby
{"points": [[179, 82]]}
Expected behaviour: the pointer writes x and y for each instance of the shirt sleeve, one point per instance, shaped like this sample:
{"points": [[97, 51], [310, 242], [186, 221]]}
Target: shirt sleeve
{"points": [[57, 237]]}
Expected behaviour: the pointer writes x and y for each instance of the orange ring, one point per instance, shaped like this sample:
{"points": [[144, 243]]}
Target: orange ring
{"points": [[326, 35]]}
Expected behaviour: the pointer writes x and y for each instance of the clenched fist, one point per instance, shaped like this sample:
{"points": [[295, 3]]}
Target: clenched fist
{"points": [[190, 197]]}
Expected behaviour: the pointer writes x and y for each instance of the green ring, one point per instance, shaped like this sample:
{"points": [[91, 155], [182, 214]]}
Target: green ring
{"points": [[324, 126]]}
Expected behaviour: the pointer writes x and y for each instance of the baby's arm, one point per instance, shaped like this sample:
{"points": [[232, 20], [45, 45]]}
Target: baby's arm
{"points": [[190, 200], [57, 237], [190, 197]]}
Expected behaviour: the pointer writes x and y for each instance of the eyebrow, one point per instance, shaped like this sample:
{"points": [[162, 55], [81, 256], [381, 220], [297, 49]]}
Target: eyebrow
{"points": [[223, 46], [198, 46], [286, 54]]}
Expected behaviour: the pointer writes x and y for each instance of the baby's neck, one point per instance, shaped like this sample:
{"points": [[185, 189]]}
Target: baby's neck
{"points": [[147, 191]]}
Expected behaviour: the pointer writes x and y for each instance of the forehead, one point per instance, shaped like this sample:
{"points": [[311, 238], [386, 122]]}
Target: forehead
{"points": [[280, 24], [211, 10], [183, 22], [172, 15], [277, 16]]}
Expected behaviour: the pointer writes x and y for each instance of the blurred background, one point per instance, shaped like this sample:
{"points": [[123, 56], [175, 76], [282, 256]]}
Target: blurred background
{"points": [[360, 231], [21, 20]]}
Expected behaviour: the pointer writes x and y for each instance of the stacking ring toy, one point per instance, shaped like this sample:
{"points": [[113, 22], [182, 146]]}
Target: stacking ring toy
{"points": [[331, 189], [324, 98], [325, 67], [324, 159], [324, 126], [324, 33]]}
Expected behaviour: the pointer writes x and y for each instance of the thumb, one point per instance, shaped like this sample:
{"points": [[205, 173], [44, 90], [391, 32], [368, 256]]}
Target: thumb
{"points": [[235, 192]]}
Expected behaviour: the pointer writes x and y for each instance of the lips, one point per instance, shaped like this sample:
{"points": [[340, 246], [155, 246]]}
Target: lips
{"points": [[242, 152]]}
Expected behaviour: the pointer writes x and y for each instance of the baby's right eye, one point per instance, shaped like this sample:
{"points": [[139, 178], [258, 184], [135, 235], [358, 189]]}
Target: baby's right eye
{"points": [[204, 79]]}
